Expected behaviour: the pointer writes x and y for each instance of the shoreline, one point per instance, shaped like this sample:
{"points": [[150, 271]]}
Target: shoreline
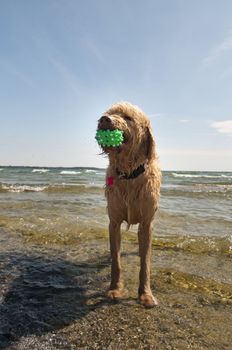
{"points": [[54, 299]]}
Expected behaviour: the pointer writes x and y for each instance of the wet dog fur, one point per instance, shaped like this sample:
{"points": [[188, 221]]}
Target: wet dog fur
{"points": [[133, 200]]}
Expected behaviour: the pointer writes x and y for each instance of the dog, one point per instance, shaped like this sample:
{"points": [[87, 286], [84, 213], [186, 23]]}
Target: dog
{"points": [[132, 191]]}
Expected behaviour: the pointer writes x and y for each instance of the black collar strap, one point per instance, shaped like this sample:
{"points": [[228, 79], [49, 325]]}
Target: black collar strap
{"points": [[132, 175]]}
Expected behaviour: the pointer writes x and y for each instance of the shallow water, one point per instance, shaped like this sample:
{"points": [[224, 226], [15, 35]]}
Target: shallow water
{"points": [[55, 267]]}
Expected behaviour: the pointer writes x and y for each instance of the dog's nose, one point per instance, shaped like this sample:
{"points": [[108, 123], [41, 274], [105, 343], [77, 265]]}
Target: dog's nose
{"points": [[105, 119], [105, 122]]}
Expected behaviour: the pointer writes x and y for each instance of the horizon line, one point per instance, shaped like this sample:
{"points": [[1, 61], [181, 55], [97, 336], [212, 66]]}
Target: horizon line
{"points": [[94, 167]]}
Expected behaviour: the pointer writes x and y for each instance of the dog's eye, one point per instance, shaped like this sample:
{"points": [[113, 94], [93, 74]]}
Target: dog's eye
{"points": [[126, 117]]}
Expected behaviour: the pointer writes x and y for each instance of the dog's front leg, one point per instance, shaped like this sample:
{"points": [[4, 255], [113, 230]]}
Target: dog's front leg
{"points": [[145, 239], [116, 287]]}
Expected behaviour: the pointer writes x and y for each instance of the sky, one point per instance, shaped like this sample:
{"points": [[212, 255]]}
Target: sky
{"points": [[64, 62]]}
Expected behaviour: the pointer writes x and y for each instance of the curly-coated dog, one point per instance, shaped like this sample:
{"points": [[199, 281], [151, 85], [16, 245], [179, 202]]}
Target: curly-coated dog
{"points": [[132, 190]]}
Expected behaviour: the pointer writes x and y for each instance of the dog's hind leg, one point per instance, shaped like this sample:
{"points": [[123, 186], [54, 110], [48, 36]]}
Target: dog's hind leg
{"points": [[116, 286], [145, 239]]}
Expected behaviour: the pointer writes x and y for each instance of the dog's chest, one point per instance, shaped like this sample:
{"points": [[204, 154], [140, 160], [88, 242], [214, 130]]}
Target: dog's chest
{"points": [[125, 197]]}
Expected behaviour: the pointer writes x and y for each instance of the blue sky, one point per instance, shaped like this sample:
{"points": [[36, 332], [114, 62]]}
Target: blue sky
{"points": [[63, 62]]}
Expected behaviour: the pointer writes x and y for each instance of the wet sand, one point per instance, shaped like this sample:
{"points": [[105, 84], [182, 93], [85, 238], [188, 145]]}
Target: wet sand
{"points": [[52, 297]]}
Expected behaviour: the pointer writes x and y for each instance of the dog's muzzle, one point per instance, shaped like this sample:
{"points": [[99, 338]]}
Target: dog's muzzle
{"points": [[105, 123]]}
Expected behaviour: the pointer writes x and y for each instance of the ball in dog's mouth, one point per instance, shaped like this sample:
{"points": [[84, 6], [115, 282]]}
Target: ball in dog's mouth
{"points": [[109, 138]]}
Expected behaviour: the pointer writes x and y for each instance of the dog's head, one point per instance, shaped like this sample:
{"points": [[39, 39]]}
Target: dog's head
{"points": [[138, 141]]}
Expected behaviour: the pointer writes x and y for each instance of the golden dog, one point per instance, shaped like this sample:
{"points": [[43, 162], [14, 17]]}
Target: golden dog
{"points": [[132, 190]]}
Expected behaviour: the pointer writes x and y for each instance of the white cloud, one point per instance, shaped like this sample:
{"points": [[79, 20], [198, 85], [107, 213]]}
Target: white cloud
{"points": [[184, 121], [156, 114], [224, 127], [219, 50]]}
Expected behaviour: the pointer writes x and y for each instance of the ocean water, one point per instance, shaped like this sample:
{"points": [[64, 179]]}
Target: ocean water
{"points": [[194, 204], [66, 207], [61, 204], [54, 257]]}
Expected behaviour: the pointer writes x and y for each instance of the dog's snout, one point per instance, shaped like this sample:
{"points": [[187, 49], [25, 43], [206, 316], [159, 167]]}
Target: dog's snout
{"points": [[105, 122], [105, 119]]}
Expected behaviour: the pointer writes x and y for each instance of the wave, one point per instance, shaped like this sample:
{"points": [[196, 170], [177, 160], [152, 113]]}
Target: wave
{"points": [[227, 176], [90, 171], [166, 190], [202, 176], [40, 171], [21, 188], [70, 172], [195, 190], [55, 188]]}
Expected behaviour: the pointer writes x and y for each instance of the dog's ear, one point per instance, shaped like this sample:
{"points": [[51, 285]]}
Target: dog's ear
{"points": [[150, 144]]}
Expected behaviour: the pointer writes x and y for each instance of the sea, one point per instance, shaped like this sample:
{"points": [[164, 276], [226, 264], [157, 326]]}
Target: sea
{"points": [[193, 204], [58, 205], [54, 253]]}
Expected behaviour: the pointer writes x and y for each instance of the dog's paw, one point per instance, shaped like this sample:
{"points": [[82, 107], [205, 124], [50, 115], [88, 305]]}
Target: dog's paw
{"points": [[114, 294], [148, 300]]}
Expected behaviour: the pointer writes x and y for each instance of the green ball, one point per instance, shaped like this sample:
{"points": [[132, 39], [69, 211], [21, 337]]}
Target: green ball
{"points": [[109, 138]]}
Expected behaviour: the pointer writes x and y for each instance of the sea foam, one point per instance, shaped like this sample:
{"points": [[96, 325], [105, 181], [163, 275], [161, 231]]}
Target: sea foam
{"points": [[23, 188], [90, 171], [40, 171], [69, 172], [202, 176]]}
